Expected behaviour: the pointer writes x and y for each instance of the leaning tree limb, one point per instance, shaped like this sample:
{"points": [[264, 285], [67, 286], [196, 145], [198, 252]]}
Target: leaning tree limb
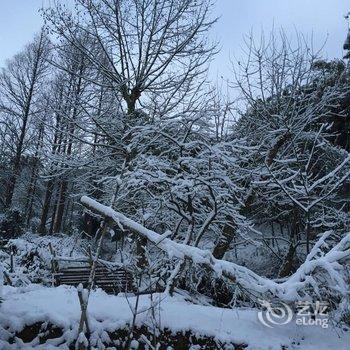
{"points": [[298, 285]]}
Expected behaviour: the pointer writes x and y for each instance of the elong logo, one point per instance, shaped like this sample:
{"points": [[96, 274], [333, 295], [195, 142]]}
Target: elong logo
{"points": [[274, 315], [307, 314]]}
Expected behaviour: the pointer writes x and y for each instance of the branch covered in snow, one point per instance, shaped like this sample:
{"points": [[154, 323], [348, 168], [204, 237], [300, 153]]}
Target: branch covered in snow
{"points": [[294, 288]]}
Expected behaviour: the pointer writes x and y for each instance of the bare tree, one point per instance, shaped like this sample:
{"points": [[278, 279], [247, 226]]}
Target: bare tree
{"points": [[139, 46], [287, 107], [20, 87]]}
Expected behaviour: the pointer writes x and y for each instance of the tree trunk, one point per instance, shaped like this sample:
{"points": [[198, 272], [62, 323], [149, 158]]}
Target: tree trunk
{"points": [[54, 211], [33, 177], [225, 241], [60, 207], [70, 132], [287, 266], [47, 201]]}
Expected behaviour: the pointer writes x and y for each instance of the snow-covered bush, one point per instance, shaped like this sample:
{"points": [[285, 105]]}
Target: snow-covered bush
{"points": [[32, 257]]}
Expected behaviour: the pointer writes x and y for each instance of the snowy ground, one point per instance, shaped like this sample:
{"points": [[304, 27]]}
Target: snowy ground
{"points": [[60, 306]]}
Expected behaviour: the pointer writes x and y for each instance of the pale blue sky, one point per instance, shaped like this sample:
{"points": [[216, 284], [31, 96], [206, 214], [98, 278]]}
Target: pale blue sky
{"points": [[19, 19]]}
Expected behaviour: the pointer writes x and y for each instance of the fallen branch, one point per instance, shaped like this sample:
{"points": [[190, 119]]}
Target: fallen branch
{"points": [[294, 288]]}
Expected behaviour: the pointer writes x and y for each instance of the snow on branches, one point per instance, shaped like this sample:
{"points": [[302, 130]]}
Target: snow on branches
{"points": [[305, 281]]}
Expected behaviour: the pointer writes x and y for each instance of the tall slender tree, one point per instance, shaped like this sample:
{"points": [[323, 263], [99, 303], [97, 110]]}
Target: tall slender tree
{"points": [[20, 84]]}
